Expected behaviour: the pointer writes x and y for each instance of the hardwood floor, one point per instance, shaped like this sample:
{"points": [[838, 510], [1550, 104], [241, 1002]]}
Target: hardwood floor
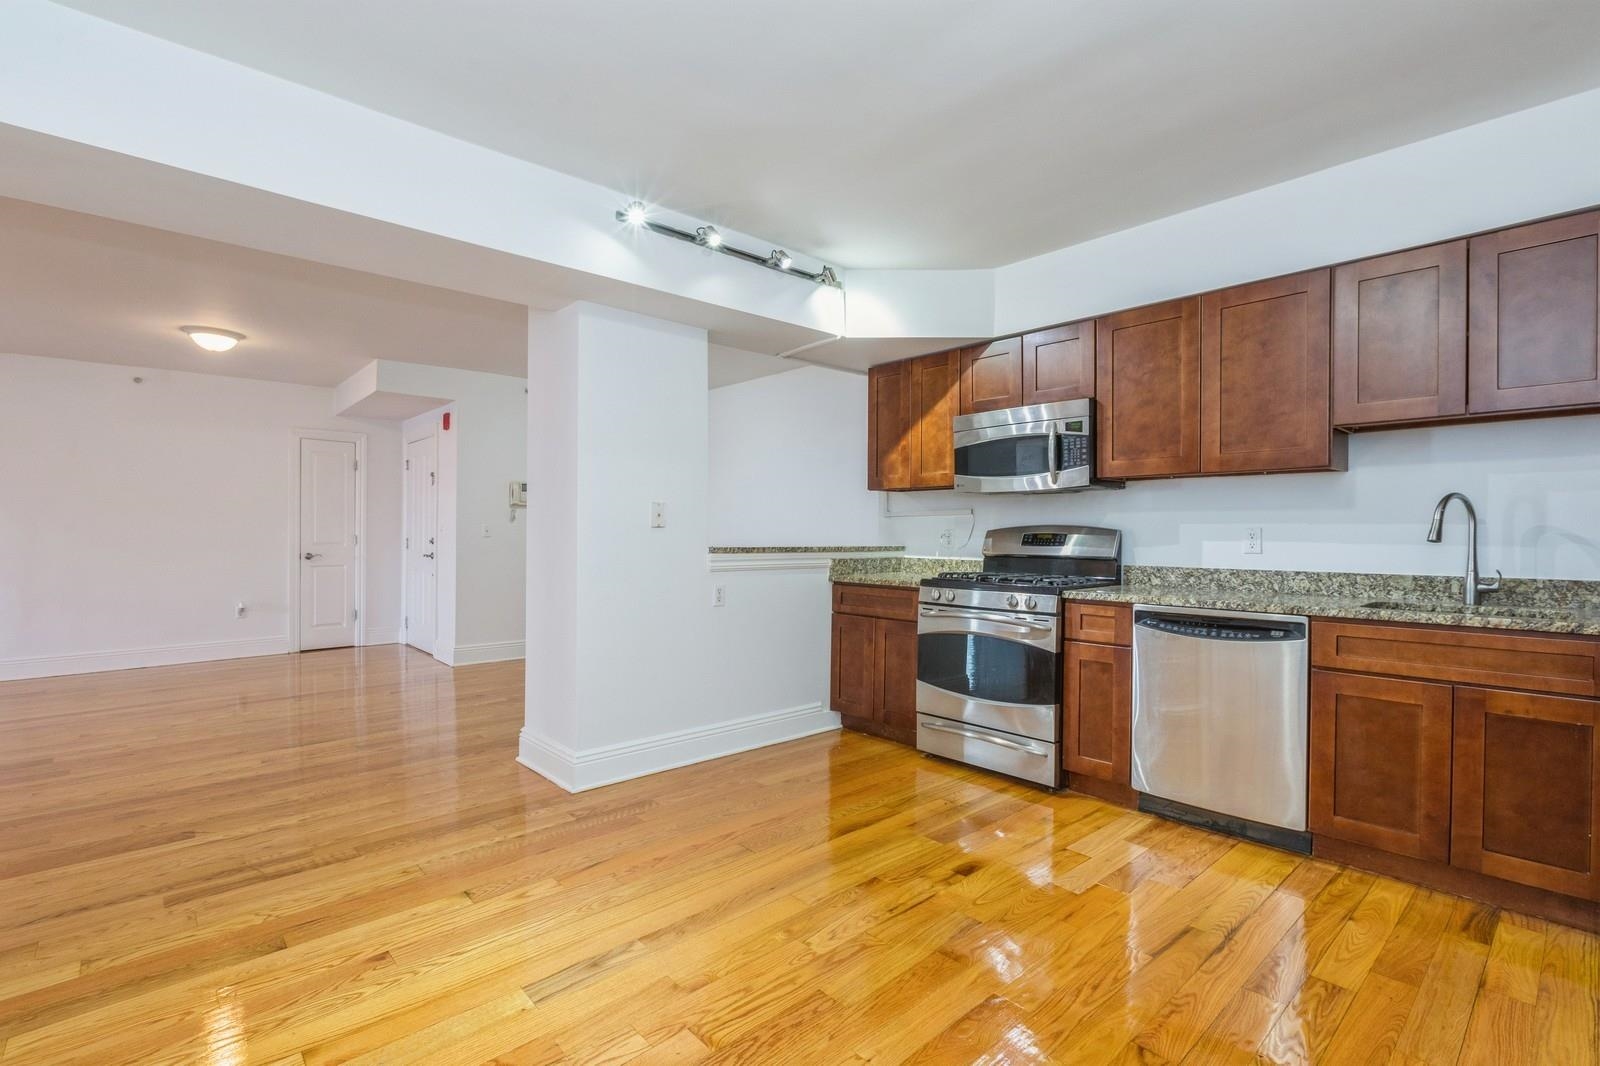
{"points": [[334, 858]]}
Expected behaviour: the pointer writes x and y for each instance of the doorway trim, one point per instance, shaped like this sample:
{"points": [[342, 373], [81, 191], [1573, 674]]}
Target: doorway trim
{"points": [[296, 435]]}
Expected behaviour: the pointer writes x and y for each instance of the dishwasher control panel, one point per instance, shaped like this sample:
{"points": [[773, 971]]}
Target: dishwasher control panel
{"points": [[1210, 630]]}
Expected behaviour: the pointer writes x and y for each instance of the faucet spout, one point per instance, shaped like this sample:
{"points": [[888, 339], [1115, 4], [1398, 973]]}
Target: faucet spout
{"points": [[1474, 584]]}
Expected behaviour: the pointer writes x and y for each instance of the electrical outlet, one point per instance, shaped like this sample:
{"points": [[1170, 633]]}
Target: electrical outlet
{"points": [[719, 596], [1252, 540], [658, 515], [947, 536], [486, 529]]}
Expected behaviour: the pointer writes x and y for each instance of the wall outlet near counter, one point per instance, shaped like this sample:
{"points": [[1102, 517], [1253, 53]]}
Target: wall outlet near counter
{"points": [[1252, 540], [719, 596]]}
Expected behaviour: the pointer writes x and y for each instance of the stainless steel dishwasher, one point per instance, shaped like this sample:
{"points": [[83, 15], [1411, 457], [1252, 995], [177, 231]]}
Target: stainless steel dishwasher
{"points": [[1219, 720]]}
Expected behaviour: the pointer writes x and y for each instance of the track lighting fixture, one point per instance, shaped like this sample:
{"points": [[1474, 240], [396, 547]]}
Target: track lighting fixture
{"points": [[637, 214]]}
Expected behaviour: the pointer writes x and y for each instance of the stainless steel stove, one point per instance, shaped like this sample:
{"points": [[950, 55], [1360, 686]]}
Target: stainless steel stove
{"points": [[989, 647]]}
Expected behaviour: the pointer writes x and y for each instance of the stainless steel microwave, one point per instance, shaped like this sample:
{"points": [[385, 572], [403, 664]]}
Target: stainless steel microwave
{"points": [[1048, 447]]}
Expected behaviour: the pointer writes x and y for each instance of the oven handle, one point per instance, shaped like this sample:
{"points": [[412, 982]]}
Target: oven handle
{"points": [[995, 619], [998, 741]]}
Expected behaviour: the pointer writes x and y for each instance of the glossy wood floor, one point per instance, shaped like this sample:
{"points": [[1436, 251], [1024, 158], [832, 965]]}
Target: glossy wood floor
{"points": [[333, 858]]}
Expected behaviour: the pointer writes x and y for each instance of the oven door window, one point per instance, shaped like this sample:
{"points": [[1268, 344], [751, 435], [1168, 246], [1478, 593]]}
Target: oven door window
{"points": [[987, 668], [1005, 457]]}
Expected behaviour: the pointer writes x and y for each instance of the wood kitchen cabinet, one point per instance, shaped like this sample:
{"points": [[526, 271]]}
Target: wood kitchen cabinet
{"points": [[1264, 377], [1534, 335], [873, 673], [1400, 337], [991, 376], [1527, 798], [889, 426], [1058, 364], [1147, 391], [909, 408], [1097, 708], [1380, 763]]}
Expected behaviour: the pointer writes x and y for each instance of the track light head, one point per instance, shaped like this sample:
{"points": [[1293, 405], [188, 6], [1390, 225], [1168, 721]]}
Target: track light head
{"points": [[709, 236], [780, 259], [634, 214], [827, 277]]}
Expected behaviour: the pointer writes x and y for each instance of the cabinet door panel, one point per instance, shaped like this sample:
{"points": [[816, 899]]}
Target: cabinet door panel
{"points": [[1147, 391], [1097, 704], [855, 659], [1400, 337], [1264, 376], [1380, 763], [896, 650], [934, 395], [1535, 305], [1526, 794], [1058, 364], [991, 376], [889, 442]]}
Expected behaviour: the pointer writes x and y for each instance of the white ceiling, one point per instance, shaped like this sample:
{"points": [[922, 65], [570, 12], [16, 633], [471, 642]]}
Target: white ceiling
{"points": [[78, 286], [916, 133], [75, 286]]}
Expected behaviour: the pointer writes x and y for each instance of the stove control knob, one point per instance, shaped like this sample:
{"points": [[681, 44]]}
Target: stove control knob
{"points": [[1011, 601], [939, 594], [1030, 603]]}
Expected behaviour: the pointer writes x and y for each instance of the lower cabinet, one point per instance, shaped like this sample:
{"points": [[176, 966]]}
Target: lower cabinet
{"points": [[1479, 781], [1527, 801], [873, 679], [1380, 763], [1097, 704]]}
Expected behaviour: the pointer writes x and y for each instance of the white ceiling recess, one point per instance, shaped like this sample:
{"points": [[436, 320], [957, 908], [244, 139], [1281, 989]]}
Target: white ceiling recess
{"points": [[916, 133], [78, 286]]}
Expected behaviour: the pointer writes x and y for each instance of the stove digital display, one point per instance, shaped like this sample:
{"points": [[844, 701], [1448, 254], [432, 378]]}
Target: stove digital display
{"points": [[1044, 540]]}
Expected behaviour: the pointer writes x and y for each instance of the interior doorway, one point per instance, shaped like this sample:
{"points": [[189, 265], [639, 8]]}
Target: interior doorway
{"points": [[327, 554], [421, 543]]}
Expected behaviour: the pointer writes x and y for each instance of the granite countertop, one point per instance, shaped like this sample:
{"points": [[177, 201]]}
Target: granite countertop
{"points": [[868, 549], [1569, 607], [1538, 606]]}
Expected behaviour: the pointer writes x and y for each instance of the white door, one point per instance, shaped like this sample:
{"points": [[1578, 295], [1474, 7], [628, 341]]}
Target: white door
{"points": [[421, 542], [327, 544]]}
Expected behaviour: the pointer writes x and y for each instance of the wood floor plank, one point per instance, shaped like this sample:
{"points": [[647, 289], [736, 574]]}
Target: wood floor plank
{"points": [[333, 857]]}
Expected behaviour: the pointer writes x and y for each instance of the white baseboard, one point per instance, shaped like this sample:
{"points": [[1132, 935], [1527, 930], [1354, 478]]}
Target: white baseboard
{"points": [[382, 636], [578, 771], [499, 651], [135, 658]]}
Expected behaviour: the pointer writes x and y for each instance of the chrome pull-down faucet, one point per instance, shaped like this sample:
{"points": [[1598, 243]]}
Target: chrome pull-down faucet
{"points": [[1475, 585]]}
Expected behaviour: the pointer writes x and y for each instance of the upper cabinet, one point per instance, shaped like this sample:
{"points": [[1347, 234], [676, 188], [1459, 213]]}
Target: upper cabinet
{"points": [[909, 408], [889, 426], [1534, 341], [991, 376], [935, 383], [1400, 337], [1264, 377], [1147, 391], [1058, 364]]}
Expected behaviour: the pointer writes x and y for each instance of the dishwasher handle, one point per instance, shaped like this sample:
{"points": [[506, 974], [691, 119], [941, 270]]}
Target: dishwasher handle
{"points": [[1200, 627]]}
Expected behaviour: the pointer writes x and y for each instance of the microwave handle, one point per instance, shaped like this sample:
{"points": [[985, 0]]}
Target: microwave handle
{"points": [[1052, 454]]}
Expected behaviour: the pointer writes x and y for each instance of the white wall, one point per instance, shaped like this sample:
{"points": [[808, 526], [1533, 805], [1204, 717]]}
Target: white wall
{"points": [[482, 545], [630, 668], [1536, 486], [1541, 161], [789, 461], [133, 517]]}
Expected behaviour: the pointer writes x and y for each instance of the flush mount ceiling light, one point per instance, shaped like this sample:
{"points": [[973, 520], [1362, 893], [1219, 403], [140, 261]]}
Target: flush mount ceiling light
{"points": [[213, 339], [637, 215]]}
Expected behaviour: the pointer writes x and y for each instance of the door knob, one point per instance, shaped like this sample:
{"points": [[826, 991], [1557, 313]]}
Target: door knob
{"points": [[311, 555], [427, 555]]}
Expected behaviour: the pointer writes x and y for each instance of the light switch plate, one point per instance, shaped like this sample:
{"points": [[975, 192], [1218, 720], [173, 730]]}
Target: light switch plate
{"points": [[658, 515], [719, 596]]}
